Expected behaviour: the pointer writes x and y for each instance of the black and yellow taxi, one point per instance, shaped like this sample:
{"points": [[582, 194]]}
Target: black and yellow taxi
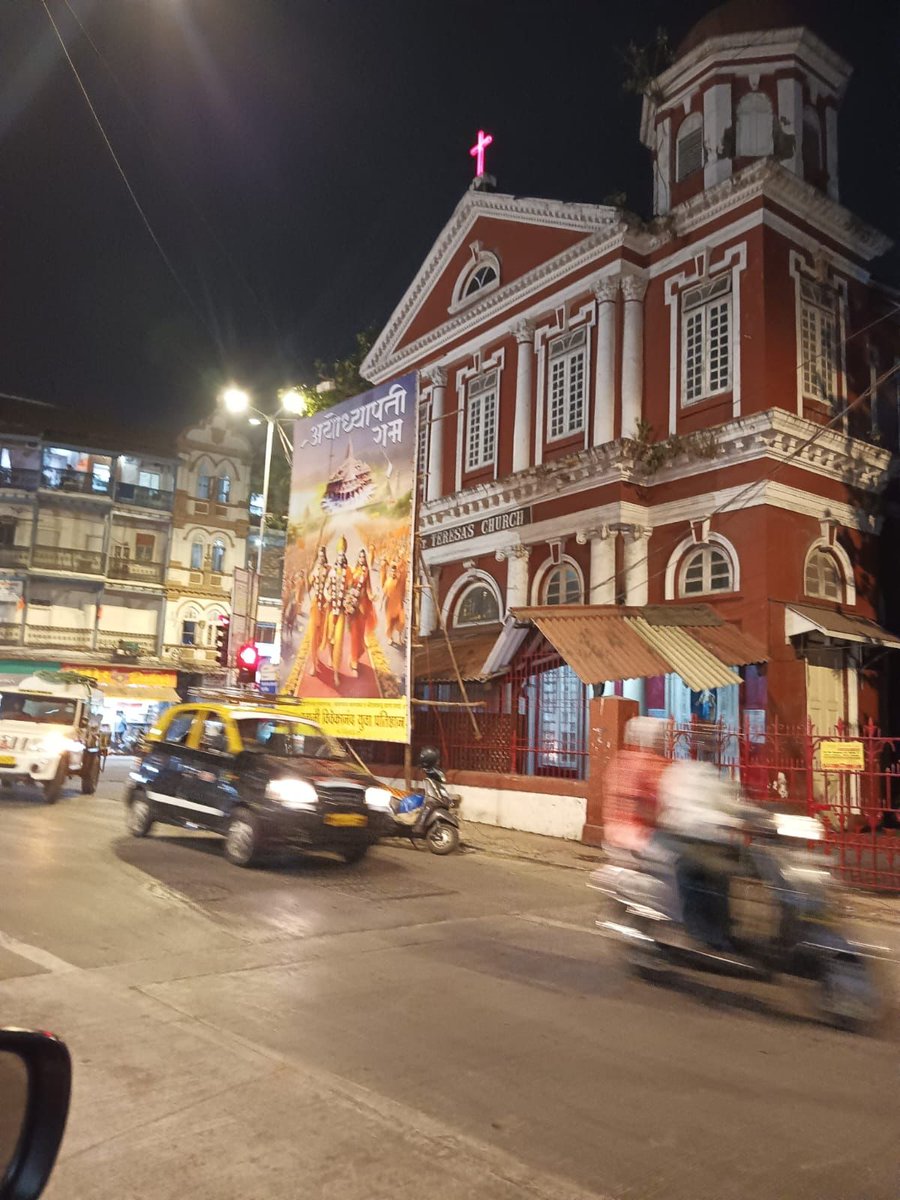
{"points": [[264, 776]]}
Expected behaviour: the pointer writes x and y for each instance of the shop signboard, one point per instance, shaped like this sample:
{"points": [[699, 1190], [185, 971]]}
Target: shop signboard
{"points": [[345, 644]]}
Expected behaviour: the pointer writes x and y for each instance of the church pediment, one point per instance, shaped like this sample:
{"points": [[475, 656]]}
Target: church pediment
{"points": [[489, 244]]}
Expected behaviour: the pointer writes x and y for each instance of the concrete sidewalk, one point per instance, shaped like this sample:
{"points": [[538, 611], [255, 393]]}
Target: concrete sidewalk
{"points": [[575, 856]]}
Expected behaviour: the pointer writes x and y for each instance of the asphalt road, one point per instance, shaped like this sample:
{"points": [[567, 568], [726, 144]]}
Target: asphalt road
{"points": [[407, 1027]]}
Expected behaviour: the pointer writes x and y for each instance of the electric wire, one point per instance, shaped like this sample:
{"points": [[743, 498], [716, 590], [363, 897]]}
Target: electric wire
{"points": [[174, 174], [125, 180]]}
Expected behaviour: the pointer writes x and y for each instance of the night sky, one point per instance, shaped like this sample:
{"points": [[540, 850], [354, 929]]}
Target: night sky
{"points": [[297, 158]]}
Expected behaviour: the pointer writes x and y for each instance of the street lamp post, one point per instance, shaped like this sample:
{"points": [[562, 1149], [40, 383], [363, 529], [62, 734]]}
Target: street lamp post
{"points": [[292, 403]]}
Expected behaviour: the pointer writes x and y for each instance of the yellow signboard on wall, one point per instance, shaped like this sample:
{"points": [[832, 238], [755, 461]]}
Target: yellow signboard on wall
{"points": [[842, 756], [370, 720]]}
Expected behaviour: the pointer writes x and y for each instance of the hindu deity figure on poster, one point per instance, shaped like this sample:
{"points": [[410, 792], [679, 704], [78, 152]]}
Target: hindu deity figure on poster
{"points": [[345, 639]]}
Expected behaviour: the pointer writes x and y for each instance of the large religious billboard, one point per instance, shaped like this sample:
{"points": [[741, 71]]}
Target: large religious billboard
{"points": [[348, 571]]}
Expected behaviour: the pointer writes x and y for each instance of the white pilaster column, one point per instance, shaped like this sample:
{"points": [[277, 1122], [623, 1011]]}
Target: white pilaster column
{"points": [[606, 291], [602, 583], [636, 565], [790, 117], [524, 334], [427, 608], [662, 193], [717, 117], [831, 149], [434, 488], [517, 575], [633, 289]]}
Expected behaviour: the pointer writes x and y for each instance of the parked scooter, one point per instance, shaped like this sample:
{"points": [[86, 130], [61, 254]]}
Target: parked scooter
{"points": [[781, 917], [429, 814]]}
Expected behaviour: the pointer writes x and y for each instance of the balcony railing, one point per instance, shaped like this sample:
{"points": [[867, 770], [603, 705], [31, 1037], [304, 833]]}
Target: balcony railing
{"points": [[191, 655], [23, 478], [61, 558], [144, 497], [54, 635], [136, 570], [10, 633], [67, 479], [109, 639], [14, 556]]}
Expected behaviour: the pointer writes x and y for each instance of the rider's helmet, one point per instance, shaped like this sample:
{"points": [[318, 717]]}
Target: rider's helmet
{"points": [[646, 733], [428, 757]]}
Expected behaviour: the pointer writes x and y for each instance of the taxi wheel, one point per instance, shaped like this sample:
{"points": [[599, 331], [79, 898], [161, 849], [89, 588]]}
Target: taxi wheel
{"points": [[139, 817], [355, 854], [242, 839]]}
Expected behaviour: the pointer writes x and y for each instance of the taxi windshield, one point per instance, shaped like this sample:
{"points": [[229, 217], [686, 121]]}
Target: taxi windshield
{"points": [[287, 737], [43, 710]]}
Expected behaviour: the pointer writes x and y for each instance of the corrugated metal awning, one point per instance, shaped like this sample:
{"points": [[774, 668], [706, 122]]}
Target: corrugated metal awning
{"points": [[809, 618], [432, 659], [603, 643], [697, 666], [597, 644]]}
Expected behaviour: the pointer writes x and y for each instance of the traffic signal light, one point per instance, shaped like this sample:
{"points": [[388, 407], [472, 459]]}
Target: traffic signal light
{"points": [[247, 663], [223, 627]]}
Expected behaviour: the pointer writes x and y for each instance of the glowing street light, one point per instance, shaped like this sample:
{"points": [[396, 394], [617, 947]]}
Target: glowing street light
{"points": [[293, 401], [235, 399]]}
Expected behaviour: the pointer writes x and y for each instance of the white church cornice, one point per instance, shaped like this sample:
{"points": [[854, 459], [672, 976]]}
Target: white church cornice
{"points": [[768, 180], [776, 435]]}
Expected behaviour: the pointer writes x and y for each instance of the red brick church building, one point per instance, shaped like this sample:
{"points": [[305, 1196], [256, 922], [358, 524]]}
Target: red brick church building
{"points": [[660, 444]]}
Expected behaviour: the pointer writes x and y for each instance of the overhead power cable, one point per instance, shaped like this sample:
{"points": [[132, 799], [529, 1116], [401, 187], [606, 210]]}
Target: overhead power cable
{"points": [[221, 245], [125, 180]]}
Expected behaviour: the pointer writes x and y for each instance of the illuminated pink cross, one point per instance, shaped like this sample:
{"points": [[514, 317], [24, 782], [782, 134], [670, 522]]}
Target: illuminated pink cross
{"points": [[477, 151]]}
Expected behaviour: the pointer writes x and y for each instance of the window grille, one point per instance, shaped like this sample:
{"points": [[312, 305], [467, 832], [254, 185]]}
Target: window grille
{"points": [[706, 340], [481, 436], [568, 355]]}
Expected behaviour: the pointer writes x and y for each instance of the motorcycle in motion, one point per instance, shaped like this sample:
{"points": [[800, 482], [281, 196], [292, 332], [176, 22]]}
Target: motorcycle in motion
{"points": [[774, 913], [429, 814]]}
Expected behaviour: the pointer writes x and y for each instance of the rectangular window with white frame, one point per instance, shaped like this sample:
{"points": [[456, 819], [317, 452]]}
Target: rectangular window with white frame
{"points": [[818, 341], [706, 340], [566, 398], [481, 421]]}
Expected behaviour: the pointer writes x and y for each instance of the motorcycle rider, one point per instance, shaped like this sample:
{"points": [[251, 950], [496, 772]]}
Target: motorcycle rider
{"points": [[631, 789], [658, 811], [697, 823]]}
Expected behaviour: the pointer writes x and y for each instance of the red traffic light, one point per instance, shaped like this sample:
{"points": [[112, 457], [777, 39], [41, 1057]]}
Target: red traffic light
{"points": [[248, 657]]}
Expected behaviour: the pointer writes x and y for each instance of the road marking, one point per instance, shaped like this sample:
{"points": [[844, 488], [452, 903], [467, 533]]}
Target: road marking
{"points": [[425, 1133], [42, 958], [553, 923]]}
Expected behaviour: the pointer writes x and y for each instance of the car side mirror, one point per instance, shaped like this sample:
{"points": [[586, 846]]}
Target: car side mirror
{"points": [[35, 1086]]}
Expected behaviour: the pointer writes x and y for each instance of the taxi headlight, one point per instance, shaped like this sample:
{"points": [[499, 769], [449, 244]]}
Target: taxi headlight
{"points": [[378, 798], [292, 793]]}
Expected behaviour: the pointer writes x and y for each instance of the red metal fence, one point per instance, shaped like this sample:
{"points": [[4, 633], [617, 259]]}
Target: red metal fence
{"points": [[531, 722], [534, 721], [850, 782]]}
